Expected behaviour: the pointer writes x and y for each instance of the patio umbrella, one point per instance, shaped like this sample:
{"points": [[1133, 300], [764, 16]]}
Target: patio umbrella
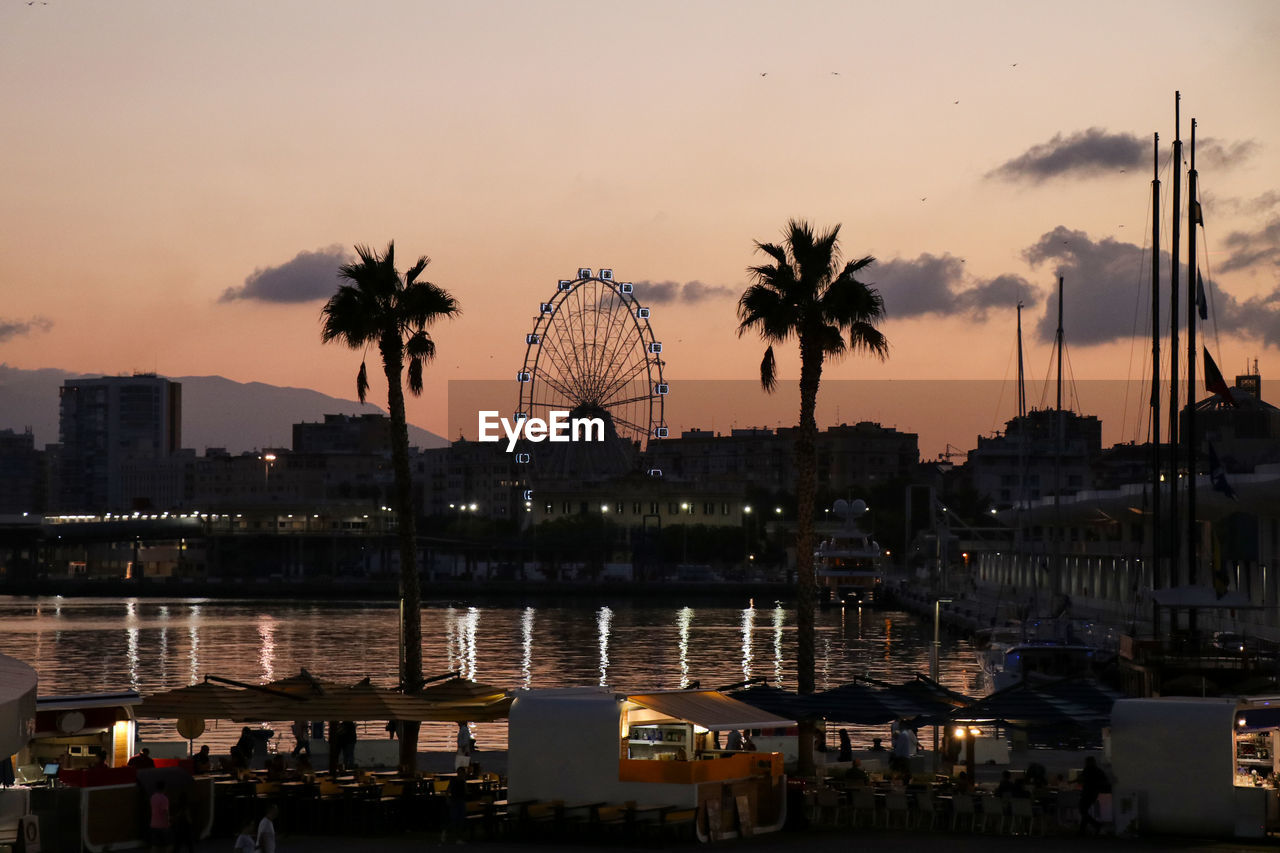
{"points": [[775, 700], [861, 705], [215, 702]]}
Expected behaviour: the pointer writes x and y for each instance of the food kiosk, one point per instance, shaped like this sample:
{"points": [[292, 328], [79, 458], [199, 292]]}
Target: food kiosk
{"points": [[593, 745], [1197, 766]]}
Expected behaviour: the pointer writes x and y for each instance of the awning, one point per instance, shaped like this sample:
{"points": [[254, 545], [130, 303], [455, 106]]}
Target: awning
{"points": [[710, 710]]}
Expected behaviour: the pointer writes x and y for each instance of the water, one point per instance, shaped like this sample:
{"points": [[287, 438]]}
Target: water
{"points": [[92, 644]]}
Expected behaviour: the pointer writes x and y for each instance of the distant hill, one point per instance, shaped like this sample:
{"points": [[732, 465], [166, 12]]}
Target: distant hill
{"points": [[216, 412]]}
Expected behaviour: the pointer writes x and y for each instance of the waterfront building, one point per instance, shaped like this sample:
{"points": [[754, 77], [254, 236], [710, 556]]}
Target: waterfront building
{"points": [[367, 435], [848, 454], [22, 474], [1028, 461], [107, 423], [1101, 538]]}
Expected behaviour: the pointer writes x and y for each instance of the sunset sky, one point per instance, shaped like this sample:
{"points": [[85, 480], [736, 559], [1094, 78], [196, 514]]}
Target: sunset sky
{"points": [[181, 180]]}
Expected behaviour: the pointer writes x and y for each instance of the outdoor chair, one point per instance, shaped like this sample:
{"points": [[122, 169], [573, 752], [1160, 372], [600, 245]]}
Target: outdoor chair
{"points": [[1067, 810], [1022, 811], [895, 808], [995, 811], [926, 809], [828, 808], [962, 809], [864, 805]]}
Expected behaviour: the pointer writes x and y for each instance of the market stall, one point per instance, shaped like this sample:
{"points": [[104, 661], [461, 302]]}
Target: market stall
{"points": [[590, 745], [1197, 766]]}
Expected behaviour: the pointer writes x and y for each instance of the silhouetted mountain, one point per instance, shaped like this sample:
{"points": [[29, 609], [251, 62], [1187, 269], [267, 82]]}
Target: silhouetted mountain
{"points": [[216, 412]]}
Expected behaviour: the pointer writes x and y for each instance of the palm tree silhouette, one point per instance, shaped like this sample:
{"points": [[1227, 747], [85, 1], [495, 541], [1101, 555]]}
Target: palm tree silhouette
{"points": [[803, 291], [379, 307]]}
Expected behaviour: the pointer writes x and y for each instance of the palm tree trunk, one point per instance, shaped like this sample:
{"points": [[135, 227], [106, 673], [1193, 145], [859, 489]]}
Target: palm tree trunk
{"points": [[806, 590], [410, 597]]}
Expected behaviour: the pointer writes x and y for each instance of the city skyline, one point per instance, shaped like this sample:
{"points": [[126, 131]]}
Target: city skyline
{"points": [[183, 185]]}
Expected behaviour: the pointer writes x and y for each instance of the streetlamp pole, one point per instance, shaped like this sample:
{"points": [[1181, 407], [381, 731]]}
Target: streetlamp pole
{"points": [[933, 666]]}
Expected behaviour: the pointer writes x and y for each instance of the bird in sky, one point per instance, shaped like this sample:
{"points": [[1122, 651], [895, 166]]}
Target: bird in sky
{"points": [[764, 73], [924, 198], [1014, 65], [835, 73], [957, 101]]}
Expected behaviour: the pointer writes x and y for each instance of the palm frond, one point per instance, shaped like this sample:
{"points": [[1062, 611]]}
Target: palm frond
{"points": [[765, 308], [831, 339], [864, 337], [420, 346], [768, 371], [778, 253], [348, 316], [415, 376], [411, 274], [422, 303], [362, 382]]}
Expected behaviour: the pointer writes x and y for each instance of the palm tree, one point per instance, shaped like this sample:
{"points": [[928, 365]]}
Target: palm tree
{"points": [[381, 308], [804, 291]]}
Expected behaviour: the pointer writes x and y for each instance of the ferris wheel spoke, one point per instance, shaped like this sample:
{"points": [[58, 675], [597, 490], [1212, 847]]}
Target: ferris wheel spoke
{"points": [[639, 432], [573, 366], [570, 370], [626, 402], [570, 398], [627, 375]]}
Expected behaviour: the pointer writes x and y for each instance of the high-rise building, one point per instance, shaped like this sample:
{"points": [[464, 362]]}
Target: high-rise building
{"points": [[107, 424]]}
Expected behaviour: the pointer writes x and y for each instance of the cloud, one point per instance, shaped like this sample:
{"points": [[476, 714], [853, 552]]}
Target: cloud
{"points": [[1090, 152], [1221, 153], [1253, 248], [14, 328], [309, 276], [933, 284], [666, 292], [1104, 280], [1241, 206]]}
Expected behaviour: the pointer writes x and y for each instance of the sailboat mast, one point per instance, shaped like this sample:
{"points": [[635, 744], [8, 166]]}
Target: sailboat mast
{"points": [[1175, 534], [1055, 584], [1022, 387], [1155, 372], [1193, 280]]}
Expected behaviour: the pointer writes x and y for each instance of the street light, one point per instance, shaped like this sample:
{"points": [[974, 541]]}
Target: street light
{"points": [[933, 666]]}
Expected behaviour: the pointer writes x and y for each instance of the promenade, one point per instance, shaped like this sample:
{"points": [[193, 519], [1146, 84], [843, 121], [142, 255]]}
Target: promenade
{"points": [[815, 841]]}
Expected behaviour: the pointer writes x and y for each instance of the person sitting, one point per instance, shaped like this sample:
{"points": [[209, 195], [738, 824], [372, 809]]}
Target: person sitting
{"points": [[1006, 784], [734, 743], [856, 774], [201, 761], [964, 785], [142, 760], [877, 746]]}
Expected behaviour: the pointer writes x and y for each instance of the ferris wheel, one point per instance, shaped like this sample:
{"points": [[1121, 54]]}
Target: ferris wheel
{"points": [[592, 353]]}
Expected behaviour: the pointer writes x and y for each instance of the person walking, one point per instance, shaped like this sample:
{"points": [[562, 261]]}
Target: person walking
{"points": [[1093, 782], [159, 824], [457, 797], [245, 746], [267, 830], [301, 738]]}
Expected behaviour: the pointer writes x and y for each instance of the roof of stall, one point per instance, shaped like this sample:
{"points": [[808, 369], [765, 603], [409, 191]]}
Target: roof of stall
{"points": [[710, 710]]}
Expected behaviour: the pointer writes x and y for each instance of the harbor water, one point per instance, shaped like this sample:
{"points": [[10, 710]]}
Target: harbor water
{"points": [[84, 645]]}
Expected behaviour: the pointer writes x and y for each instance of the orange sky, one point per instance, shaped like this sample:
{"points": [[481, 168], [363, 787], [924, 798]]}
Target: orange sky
{"points": [[157, 154]]}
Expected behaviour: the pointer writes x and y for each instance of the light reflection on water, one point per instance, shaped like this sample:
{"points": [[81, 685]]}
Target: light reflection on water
{"points": [[87, 645]]}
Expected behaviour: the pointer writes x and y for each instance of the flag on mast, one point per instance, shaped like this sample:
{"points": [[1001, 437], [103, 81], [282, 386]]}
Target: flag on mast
{"points": [[1201, 303], [1213, 380], [1197, 215]]}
